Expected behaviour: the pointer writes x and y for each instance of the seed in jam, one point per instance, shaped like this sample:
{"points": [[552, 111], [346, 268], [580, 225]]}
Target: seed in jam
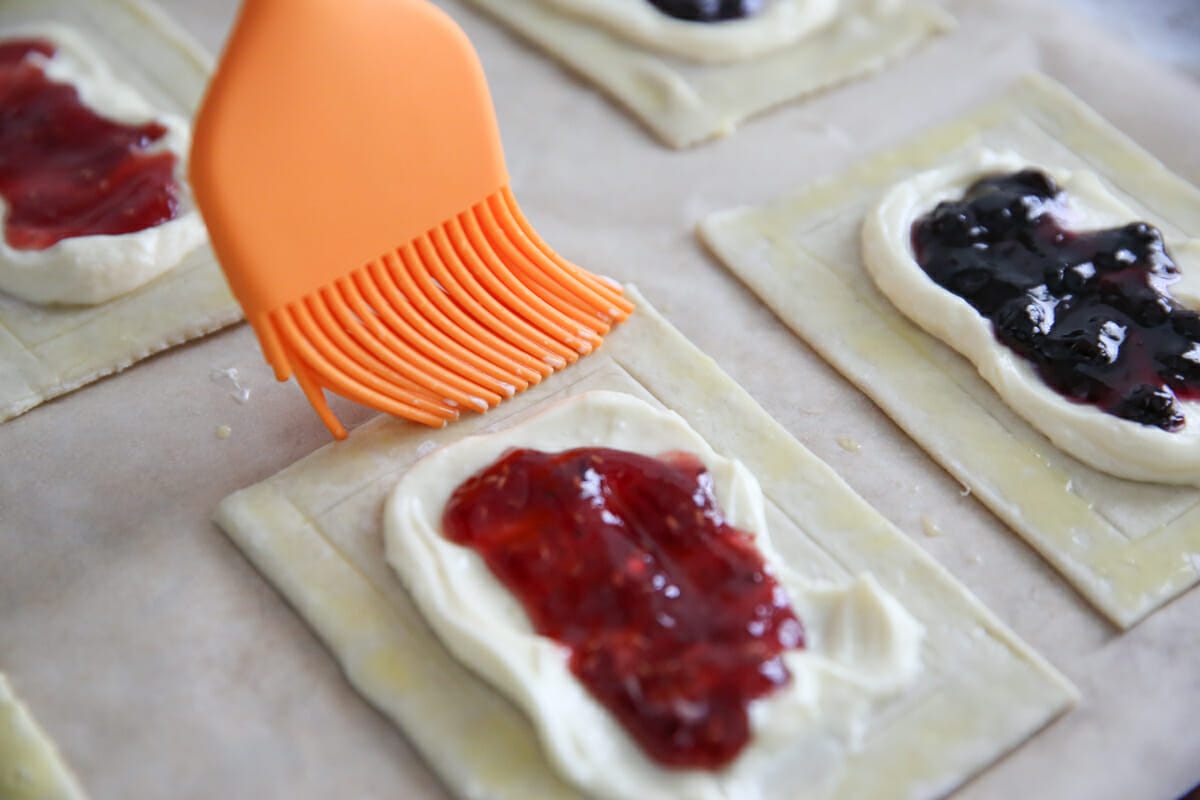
{"points": [[1092, 311], [708, 10], [66, 171], [673, 621]]}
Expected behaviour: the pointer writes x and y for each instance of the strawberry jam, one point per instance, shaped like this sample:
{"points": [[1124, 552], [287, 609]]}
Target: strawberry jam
{"points": [[672, 619], [708, 10], [1091, 311], [64, 170]]}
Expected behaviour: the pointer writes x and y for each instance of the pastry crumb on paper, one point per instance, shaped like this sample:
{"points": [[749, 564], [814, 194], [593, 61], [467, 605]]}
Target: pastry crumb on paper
{"points": [[1122, 544], [315, 530], [49, 350], [685, 102]]}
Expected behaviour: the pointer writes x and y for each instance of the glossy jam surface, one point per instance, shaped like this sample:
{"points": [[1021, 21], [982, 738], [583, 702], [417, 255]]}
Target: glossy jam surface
{"points": [[672, 620], [64, 170], [708, 10], [1091, 310]]}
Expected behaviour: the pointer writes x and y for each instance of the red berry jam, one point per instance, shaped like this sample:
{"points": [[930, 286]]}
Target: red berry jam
{"points": [[1091, 311], [64, 170], [673, 621], [708, 10]]}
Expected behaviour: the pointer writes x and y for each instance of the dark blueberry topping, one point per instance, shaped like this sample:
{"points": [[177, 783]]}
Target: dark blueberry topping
{"points": [[709, 10], [1091, 311]]}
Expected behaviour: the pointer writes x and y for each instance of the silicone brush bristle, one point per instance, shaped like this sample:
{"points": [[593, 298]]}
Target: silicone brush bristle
{"points": [[474, 311]]}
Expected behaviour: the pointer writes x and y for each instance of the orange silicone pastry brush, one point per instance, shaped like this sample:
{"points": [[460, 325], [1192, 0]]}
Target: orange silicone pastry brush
{"points": [[348, 165]]}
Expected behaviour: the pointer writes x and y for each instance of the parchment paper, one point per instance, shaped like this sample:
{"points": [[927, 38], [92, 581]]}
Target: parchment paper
{"points": [[164, 666]]}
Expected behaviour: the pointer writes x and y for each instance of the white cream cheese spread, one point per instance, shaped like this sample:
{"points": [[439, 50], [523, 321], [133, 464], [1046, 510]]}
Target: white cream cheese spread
{"points": [[1108, 443], [862, 647], [92, 269]]}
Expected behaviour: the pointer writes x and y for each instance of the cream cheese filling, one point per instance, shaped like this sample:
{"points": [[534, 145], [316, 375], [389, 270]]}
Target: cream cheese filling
{"points": [[780, 23], [1117, 446], [88, 270], [862, 646]]}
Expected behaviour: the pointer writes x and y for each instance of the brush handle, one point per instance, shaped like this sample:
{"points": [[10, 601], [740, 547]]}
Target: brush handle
{"points": [[335, 131]]}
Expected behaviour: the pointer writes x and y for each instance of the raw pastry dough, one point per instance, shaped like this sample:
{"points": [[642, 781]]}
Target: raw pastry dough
{"points": [[315, 531], [779, 24], [46, 351], [685, 102], [861, 647], [30, 766], [1117, 446], [1128, 547], [93, 269]]}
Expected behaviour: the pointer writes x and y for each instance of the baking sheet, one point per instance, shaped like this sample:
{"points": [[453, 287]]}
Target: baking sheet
{"points": [[164, 666]]}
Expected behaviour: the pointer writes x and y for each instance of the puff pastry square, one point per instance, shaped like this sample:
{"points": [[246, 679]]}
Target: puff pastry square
{"points": [[684, 102], [1128, 547], [315, 531], [46, 351]]}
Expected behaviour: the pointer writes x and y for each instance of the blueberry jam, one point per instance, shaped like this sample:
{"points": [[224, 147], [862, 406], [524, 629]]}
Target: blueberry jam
{"points": [[1091, 310], [708, 10], [672, 620], [66, 171]]}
